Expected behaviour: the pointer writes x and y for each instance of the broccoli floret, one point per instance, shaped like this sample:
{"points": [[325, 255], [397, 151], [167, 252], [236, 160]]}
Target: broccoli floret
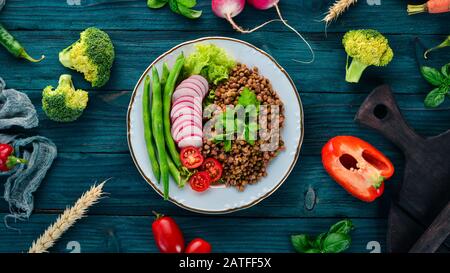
{"points": [[64, 104], [93, 55], [366, 47]]}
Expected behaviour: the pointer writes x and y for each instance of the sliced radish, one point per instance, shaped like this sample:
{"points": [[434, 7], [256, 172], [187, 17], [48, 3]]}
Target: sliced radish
{"points": [[188, 131], [201, 79], [186, 92], [194, 99], [195, 141], [197, 87], [185, 103], [194, 118], [182, 125], [184, 110], [194, 83]]}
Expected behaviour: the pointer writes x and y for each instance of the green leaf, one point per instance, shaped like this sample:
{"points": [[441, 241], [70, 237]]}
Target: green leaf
{"points": [[248, 97], [344, 226], [445, 70], [187, 3], [336, 242], [189, 13], [173, 4], [313, 250], [436, 97], [318, 242], [301, 243], [156, 4], [432, 75], [227, 145]]}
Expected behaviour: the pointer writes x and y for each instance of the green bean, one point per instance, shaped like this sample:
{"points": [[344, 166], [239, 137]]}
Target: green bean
{"points": [[148, 129], [14, 47], [158, 131], [165, 75], [176, 174], [167, 104]]}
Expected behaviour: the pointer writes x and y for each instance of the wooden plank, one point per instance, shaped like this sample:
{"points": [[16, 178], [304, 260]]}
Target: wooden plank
{"points": [[102, 128], [133, 234], [136, 50], [305, 15], [308, 192]]}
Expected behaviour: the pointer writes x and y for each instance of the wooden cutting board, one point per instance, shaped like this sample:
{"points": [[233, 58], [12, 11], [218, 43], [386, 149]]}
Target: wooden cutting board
{"points": [[425, 189]]}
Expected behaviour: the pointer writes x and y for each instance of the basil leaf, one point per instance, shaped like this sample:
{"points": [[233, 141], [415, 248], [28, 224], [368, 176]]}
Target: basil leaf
{"points": [[189, 13], [313, 250], [445, 70], [432, 75], [156, 4], [336, 242], [435, 97], [301, 243], [173, 4], [344, 226], [318, 242], [187, 3]]}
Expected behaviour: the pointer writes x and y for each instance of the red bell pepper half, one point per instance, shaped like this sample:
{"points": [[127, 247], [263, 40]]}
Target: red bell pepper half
{"points": [[7, 160], [357, 166]]}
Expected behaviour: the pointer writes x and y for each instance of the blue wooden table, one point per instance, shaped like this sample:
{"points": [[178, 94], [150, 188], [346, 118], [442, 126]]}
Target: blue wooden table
{"points": [[95, 147]]}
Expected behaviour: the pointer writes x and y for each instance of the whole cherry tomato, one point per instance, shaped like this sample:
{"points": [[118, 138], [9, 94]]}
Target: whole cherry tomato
{"points": [[168, 236], [213, 167], [200, 181], [198, 245], [191, 157]]}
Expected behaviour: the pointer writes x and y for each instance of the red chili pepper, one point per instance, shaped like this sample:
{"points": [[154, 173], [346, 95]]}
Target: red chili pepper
{"points": [[7, 160], [168, 236], [198, 245], [357, 166]]}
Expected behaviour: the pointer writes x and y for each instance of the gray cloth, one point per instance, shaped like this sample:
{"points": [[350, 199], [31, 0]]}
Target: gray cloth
{"points": [[2, 4], [16, 109], [24, 179]]}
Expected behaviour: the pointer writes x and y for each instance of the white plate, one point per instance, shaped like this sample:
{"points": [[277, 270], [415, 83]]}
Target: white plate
{"points": [[225, 200]]}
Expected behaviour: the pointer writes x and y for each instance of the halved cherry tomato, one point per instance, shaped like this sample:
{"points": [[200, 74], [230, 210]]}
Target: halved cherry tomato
{"points": [[357, 166], [191, 157], [168, 236], [200, 181], [198, 245], [213, 167]]}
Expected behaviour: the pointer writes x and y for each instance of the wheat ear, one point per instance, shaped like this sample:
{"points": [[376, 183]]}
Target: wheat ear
{"points": [[339, 7], [67, 219]]}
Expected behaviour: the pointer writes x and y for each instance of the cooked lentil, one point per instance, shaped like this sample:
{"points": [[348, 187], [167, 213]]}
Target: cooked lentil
{"points": [[245, 164]]}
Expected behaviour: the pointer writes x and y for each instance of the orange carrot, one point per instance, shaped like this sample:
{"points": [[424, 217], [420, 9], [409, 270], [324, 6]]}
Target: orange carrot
{"points": [[432, 6]]}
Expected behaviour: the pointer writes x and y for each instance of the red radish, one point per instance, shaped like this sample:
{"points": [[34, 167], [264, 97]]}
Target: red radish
{"points": [[228, 9], [189, 97], [195, 141]]}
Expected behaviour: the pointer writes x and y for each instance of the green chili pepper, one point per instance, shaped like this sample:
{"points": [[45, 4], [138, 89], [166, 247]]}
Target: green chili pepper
{"points": [[14, 47], [148, 129], [167, 104], [158, 131]]}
